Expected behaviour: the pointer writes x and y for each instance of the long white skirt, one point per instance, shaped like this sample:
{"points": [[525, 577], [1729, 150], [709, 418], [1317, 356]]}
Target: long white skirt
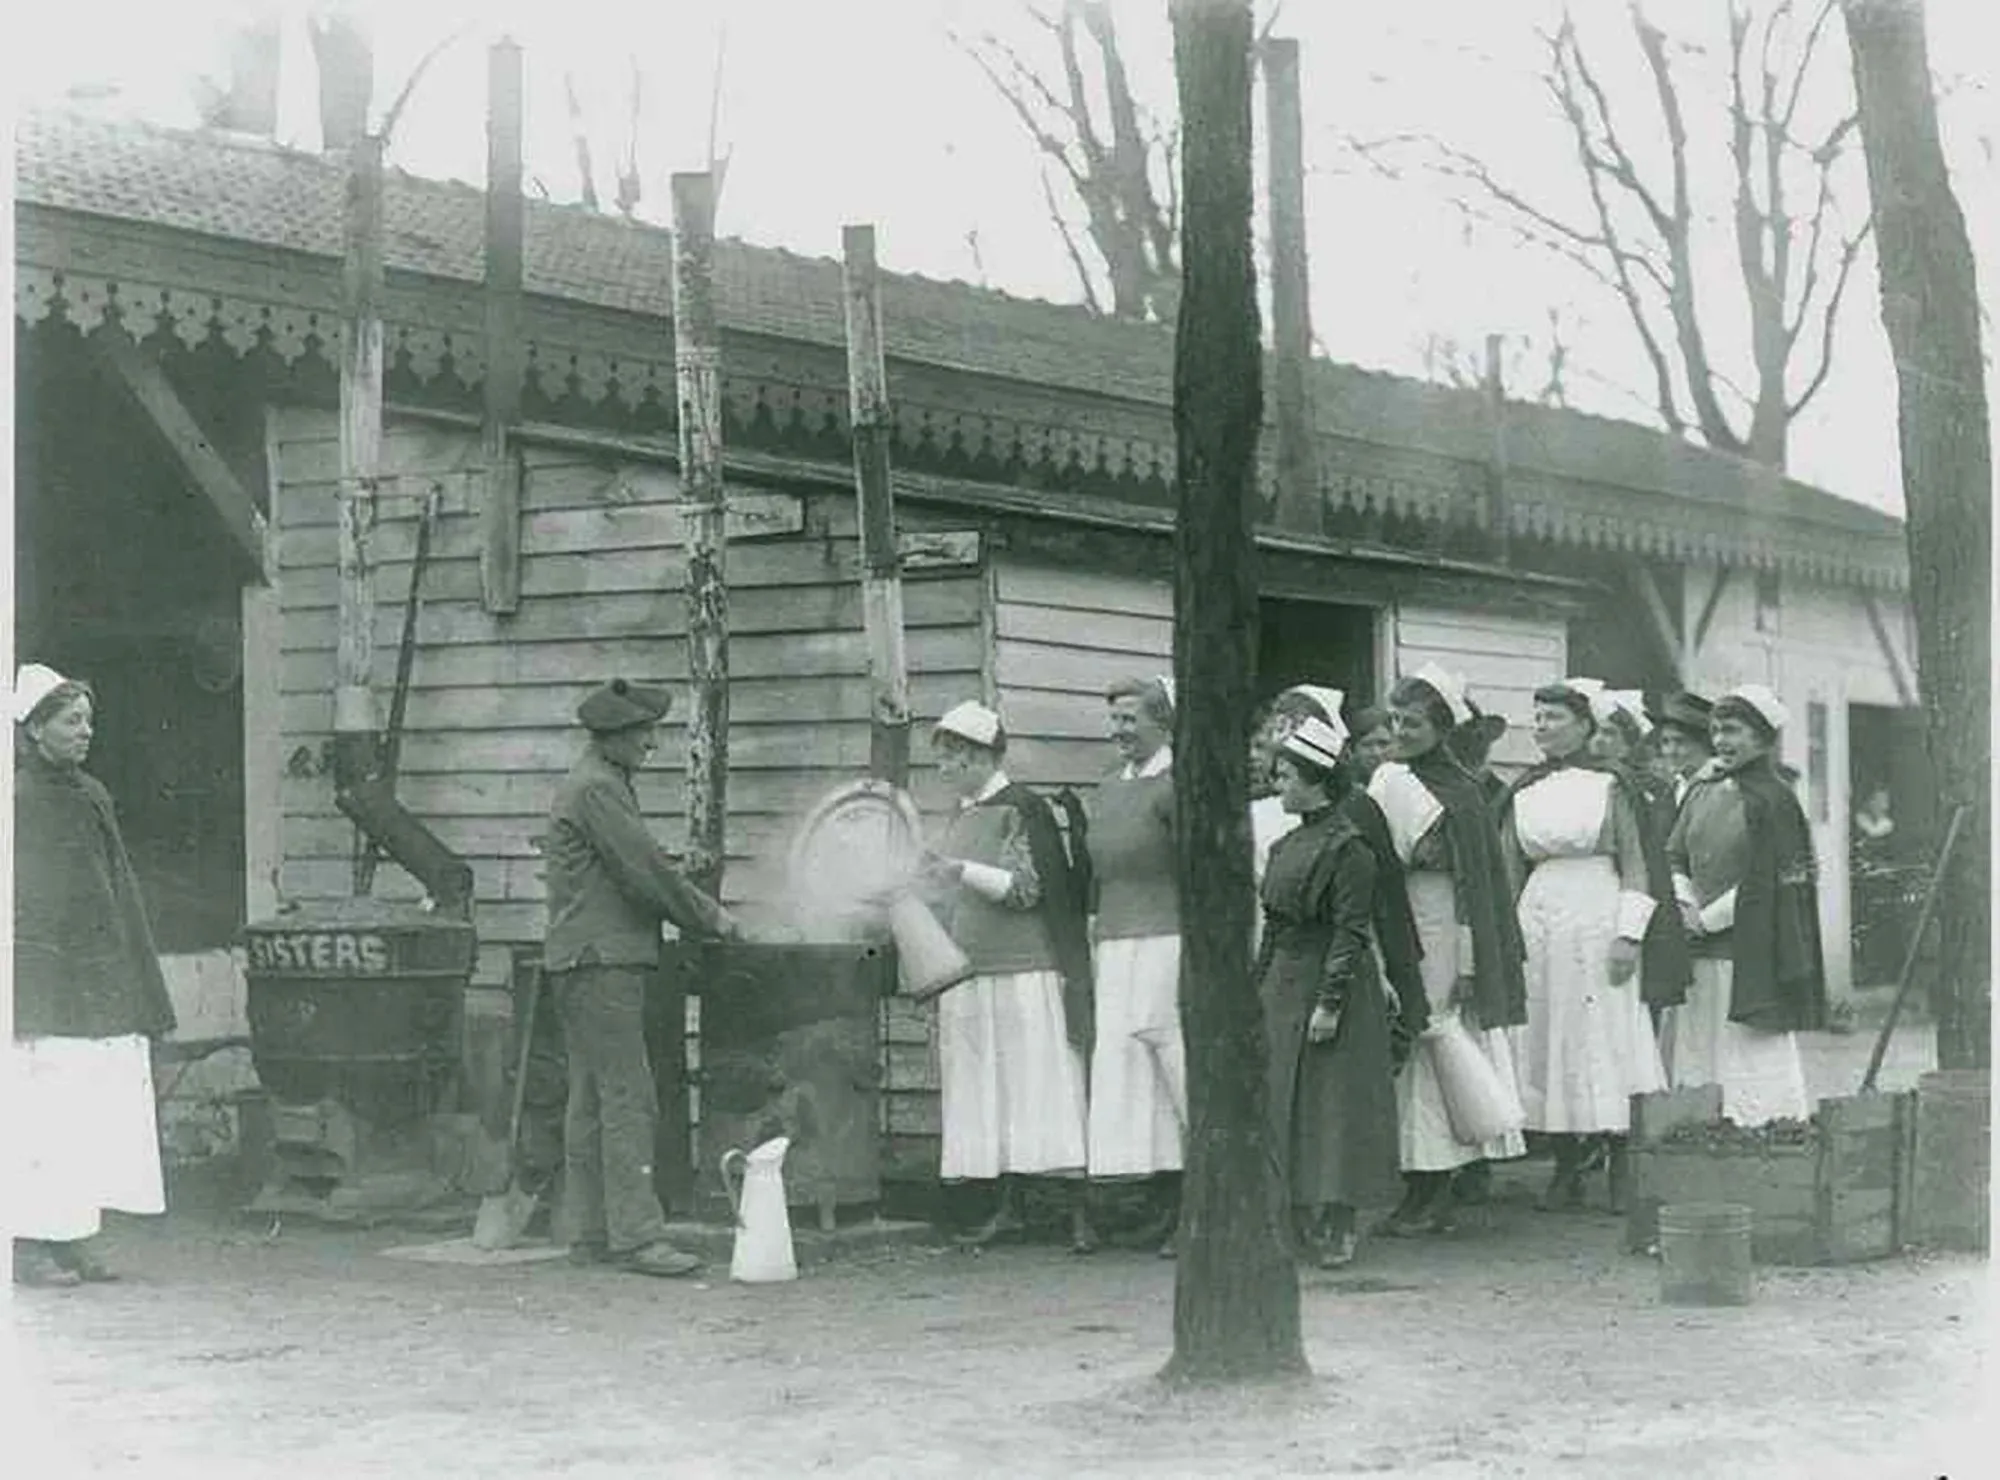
{"points": [[1138, 1068], [1761, 1074], [1588, 1046], [1012, 1082], [81, 1133], [1425, 1141]]}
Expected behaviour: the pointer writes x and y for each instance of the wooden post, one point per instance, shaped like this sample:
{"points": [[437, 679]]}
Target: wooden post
{"points": [[500, 554], [1236, 1289], [354, 716], [1499, 518], [881, 566], [698, 389], [1299, 506]]}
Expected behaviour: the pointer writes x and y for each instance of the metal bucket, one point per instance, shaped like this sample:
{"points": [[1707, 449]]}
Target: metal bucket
{"points": [[1705, 1254]]}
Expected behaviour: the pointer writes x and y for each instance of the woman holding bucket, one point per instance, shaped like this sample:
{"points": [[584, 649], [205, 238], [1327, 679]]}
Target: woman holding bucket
{"points": [[1575, 849], [1011, 1040], [1331, 1087], [1744, 878], [1138, 1068], [1442, 830]]}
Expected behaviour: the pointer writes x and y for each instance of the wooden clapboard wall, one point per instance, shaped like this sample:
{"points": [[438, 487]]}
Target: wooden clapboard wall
{"points": [[1061, 638], [490, 727], [1503, 660]]}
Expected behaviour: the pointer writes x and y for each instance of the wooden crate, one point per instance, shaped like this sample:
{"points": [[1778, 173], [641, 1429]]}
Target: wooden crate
{"points": [[1841, 1196]]}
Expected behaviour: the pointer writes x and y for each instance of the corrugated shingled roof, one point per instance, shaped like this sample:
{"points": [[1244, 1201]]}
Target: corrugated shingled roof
{"points": [[253, 191]]}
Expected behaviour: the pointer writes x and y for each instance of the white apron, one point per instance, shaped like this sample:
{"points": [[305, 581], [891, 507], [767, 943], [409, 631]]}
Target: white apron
{"points": [[81, 1134]]}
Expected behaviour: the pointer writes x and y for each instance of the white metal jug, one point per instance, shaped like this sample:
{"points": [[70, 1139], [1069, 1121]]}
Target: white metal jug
{"points": [[763, 1253]]}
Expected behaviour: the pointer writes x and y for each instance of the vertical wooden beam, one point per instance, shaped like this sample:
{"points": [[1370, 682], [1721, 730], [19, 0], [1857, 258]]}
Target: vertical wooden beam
{"points": [[1498, 513], [354, 716], [881, 566], [698, 390], [500, 553], [263, 706], [1299, 505]]}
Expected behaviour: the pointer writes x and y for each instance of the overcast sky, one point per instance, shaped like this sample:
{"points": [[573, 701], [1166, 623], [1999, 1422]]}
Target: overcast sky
{"points": [[863, 110]]}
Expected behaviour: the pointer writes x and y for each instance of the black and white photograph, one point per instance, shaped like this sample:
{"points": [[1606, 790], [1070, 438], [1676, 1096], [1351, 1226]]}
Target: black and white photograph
{"points": [[905, 738]]}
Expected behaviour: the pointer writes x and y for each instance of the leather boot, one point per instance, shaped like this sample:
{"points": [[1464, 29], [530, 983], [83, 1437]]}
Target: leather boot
{"points": [[1618, 1174], [1565, 1190]]}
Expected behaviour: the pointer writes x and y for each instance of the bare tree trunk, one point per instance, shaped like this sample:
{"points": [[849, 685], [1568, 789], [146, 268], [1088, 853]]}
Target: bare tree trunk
{"points": [[344, 61], [1236, 1298], [1930, 307]]}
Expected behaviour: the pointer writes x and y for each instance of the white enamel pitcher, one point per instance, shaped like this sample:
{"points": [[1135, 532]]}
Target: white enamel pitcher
{"points": [[763, 1253]]}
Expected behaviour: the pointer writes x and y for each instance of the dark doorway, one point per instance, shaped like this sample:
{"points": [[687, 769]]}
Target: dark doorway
{"points": [[124, 577], [1316, 642], [1887, 757]]}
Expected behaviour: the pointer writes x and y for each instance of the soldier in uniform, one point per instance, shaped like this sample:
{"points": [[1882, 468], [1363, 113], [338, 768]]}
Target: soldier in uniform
{"points": [[609, 887]]}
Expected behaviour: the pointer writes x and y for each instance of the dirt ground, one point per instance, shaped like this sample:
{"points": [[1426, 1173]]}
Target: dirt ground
{"points": [[1528, 1345]]}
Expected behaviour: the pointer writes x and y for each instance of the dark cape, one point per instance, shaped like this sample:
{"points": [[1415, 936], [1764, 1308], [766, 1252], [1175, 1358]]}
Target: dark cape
{"points": [[1395, 926], [84, 962], [1064, 906], [1500, 990], [1666, 964], [1779, 982]]}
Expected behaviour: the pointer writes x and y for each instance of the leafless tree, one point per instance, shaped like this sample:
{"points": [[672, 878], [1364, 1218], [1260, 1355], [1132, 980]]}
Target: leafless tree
{"points": [[1930, 310], [1113, 158], [1638, 237]]}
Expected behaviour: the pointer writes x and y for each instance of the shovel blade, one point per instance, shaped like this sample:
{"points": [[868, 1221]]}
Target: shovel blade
{"points": [[503, 1218]]}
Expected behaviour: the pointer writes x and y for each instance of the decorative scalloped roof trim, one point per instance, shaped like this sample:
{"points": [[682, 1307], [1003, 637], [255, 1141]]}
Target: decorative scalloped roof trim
{"points": [[145, 310]]}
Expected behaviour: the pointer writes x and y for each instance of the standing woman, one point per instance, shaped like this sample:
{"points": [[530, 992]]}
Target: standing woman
{"points": [[1622, 741], [1138, 1067], [1372, 742], [1441, 827], [1395, 930], [1011, 1041], [1572, 831], [1745, 877], [1331, 1087], [1681, 737], [88, 997], [1269, 819]]}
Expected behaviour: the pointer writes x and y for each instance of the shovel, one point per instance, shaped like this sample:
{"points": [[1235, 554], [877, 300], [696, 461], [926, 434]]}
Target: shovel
{"points": [[504, 1215]]}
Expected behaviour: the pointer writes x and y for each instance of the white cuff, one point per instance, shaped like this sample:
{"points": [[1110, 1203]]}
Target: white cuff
{"points": [[1719, 914], [1465, 952], [1635, 913], [986, 880], [1684, 891]]}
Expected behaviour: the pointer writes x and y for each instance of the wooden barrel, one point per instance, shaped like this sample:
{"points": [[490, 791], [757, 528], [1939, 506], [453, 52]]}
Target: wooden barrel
{"points": [[1705, 1254]]}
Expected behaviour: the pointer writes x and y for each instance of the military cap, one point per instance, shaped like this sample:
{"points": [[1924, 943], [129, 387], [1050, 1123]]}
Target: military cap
{"points": [[619, 705], [1688, 712]]}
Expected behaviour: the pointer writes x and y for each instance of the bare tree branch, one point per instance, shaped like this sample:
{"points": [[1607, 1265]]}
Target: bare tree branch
{"points": [[395, 112], [1850, 250], [1070, 245], [580, 138], [1105, 143]]}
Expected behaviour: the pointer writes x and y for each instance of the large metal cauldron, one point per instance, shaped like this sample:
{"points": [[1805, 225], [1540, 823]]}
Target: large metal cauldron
{"points": [[790, 1044], [358, 1002]]}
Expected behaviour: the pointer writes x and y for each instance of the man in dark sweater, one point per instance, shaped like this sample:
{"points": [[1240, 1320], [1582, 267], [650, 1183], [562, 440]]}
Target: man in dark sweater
{"points": [[609, 887]]}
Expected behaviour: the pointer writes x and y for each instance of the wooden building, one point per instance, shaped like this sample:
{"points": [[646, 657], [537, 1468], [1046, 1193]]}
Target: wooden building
{"points": [[177, 325]]}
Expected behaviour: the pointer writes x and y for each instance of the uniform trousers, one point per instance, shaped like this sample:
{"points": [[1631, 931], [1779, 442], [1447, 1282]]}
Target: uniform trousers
{"points": [[609, 1125]]}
